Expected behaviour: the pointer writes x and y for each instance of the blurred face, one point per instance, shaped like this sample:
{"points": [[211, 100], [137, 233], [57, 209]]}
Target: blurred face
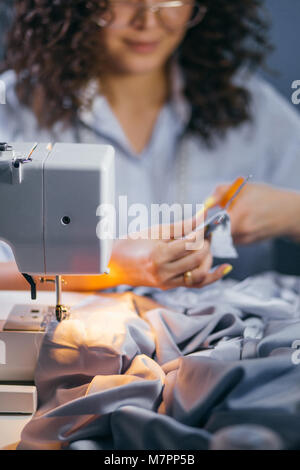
{"points": [[140, 39]]}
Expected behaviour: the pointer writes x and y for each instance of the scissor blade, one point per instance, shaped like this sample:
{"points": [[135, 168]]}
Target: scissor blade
{"points": [[237, 191]]}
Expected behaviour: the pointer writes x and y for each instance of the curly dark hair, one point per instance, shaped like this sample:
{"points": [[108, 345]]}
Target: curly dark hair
{"points": [[54, 47]]}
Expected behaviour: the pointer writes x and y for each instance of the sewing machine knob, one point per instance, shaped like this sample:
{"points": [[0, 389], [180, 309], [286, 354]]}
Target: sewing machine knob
{"points": [[65, 220], [4, 147]]}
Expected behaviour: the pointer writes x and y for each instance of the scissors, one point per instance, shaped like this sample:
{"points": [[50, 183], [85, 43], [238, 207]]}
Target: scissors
{"points": [[221, 218], [233, 191]]}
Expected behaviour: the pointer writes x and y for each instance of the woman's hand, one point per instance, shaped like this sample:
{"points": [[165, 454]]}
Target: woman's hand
{"points": [[162, 263], [142, 261], [261, 212]]}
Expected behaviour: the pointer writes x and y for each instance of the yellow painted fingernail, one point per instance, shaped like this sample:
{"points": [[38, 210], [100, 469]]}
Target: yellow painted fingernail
{"points": [[227, 270], [209, 202]]}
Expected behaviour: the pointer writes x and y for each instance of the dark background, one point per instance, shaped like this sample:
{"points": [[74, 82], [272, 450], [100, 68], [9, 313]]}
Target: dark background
{"points": [[285, 35]]}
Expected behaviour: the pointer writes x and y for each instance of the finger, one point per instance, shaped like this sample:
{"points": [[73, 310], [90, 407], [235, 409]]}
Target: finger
{"points": [[238, 215], [217, 196], [240, 201], [219, 273], [177, 249], [185, 227], [198, 275], [169, 232], [188, 262]]}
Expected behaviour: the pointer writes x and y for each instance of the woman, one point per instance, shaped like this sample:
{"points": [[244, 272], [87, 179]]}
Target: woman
{"points": [[168, 85]]}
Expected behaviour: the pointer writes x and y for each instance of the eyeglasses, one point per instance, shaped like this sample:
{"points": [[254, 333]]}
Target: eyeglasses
{"points": [[172, 14]]}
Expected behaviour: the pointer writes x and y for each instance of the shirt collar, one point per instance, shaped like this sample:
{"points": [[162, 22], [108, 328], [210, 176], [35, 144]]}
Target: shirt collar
{"points": [[91, 116]]}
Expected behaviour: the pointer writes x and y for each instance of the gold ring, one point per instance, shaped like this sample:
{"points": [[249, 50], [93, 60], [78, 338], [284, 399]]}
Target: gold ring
{"points": [[188, 278]]}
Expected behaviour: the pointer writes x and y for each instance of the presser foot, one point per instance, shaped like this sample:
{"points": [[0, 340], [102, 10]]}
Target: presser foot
{"points": [[62, 313]]}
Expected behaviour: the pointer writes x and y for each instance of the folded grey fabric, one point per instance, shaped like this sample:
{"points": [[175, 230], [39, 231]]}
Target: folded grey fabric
{"points": [[125, 372], [221, 242]]}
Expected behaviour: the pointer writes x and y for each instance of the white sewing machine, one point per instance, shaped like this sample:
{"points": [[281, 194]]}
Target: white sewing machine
{"points": [[48, 216]]}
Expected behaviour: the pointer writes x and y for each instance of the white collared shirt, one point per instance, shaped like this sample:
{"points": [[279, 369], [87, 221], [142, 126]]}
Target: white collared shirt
{"points": [[175, 169]]}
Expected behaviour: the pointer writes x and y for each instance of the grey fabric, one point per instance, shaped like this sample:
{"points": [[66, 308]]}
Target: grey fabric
{"points": [[127, 373], [246, 437], [221, 242]]}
